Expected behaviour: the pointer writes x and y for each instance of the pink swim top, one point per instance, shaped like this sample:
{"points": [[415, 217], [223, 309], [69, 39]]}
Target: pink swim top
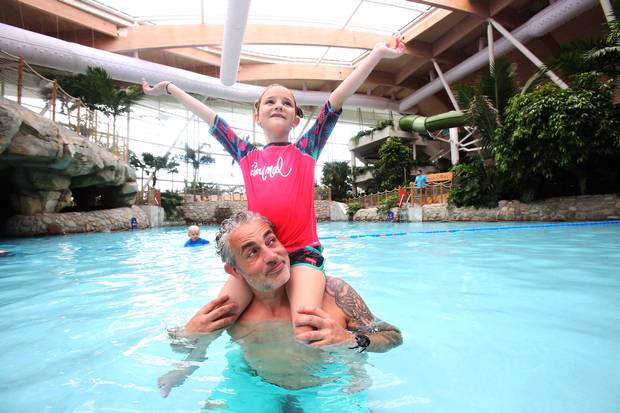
{"points": [[279, 178]]}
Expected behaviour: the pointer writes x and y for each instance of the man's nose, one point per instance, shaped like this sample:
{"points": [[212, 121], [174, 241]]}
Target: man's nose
{"points": [[270, 256]]}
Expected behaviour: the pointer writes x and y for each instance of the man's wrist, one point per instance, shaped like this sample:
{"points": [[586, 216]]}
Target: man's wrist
{"points": [[167, 86], [360, 342]]}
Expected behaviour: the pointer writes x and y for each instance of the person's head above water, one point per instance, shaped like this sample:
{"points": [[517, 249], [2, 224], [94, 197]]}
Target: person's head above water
{"points": [[247, 244], [276, 111], [193, 232]]}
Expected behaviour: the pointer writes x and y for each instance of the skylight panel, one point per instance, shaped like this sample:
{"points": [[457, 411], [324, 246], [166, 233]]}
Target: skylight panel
{"points": [[287, 52], [343, 55], [142, 9], [382, 18]]}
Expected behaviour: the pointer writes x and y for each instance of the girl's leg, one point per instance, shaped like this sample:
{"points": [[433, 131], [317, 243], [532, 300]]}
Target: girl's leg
{"points": [[305, 289], [239, 292]]}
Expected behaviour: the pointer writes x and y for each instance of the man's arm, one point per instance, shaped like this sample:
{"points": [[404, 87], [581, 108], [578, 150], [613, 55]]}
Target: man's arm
{"points": [[199, 332], [360, 320]]}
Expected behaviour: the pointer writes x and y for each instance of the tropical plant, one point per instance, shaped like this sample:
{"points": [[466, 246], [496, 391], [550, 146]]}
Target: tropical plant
{"points": [[484, 104], [550, 132], [337, 177], [170, 202], [380, 125], [97, 91], [195, 158], [153, 164], [394, 164], [601, 56], [352, 208], [387, 203], [475, 184], [136, 163]]}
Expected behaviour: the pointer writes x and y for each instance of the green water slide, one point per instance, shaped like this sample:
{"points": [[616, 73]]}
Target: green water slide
{"points": [[425, 124]]}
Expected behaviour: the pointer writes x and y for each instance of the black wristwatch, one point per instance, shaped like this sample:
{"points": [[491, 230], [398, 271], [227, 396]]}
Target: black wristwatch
{"points": [[362, 342]]}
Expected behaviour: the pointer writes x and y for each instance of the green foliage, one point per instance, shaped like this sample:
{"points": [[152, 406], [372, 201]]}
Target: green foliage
{"points": [[97, 91], [195, 158], [170, 201], [498, 83], [353, 207], [583, 56], [550, 132], [382, 124], [153, 164], [337, 177], [387, 203], [475, 184], [395, 162], [484, 104]]}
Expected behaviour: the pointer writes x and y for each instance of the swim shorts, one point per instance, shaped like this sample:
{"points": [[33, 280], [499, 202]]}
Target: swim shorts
{"points": [[310, 256]]}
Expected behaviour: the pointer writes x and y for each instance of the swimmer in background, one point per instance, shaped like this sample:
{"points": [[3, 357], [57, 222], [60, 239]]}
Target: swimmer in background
{"points": [[193, 232]]}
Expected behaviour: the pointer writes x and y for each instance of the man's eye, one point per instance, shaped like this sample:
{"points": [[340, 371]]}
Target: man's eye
{"points": [[251, 253]]}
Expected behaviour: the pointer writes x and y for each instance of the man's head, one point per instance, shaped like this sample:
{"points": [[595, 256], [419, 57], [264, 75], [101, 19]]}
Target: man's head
{"points": [[247, 244], [193, 232]]}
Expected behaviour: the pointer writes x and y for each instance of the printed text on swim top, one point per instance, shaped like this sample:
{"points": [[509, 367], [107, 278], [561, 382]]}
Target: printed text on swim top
{"points": [[269, 171]]}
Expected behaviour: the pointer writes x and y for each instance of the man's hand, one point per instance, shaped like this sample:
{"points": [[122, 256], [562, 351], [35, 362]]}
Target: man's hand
{"points": [[171, 379], [217, 314], [326, 331]]}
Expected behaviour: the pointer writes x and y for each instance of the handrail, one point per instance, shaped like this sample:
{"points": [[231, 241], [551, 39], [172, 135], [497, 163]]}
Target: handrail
{"points": [[70, 113], [436, 192]]}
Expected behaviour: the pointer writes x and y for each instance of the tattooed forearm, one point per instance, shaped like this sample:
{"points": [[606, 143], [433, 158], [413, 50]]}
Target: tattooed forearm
{"points": [[349, 301], [383, 336]]}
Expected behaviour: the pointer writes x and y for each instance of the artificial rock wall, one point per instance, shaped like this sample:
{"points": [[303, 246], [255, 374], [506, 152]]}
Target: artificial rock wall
{"points": [[45, 167]]}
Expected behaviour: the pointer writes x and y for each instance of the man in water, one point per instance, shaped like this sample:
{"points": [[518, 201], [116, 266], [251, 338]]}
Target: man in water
{"points": [[250, 250]]}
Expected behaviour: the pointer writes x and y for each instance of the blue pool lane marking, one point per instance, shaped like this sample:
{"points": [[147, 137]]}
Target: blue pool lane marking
{"points": [[475, 229]]}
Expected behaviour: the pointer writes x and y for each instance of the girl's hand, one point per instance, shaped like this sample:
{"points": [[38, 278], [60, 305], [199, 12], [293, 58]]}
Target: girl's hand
{"points": [[394, 49], [157, 90], [325, 331]]}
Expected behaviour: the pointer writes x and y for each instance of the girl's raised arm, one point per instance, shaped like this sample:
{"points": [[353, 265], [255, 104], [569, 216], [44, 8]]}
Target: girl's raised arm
{"points": [[191, 103]]}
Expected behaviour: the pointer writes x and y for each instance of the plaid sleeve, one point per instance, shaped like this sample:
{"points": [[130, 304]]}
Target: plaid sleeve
{"points": [[235, 146], [313, 141]]}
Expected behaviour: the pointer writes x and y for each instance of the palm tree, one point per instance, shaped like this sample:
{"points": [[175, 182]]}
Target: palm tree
{"points": [[485, 103], [195, 158], [154, 164]]}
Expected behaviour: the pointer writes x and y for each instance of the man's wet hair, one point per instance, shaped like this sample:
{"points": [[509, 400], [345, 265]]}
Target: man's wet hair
{"points": [[222, 241]]}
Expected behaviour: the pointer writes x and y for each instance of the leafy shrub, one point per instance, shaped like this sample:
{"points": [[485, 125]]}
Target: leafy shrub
{"points": [[475, 184], [550, 134], [170, 201], [387, 203], [353, 207]]}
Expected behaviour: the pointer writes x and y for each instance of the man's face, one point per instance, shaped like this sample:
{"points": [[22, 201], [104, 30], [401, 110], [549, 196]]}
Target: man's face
{"points": [[259, 256]]}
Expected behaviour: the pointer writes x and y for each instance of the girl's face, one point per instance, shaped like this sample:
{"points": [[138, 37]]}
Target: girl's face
{"points": [[277, 113]]}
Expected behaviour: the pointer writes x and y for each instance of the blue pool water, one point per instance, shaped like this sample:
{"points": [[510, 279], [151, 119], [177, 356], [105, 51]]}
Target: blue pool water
{"points": [[493, 321]]}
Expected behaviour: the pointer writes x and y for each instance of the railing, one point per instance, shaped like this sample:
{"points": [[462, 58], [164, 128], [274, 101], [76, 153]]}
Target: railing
{"points": [[27, 84], [435, 192], [150, 196]]}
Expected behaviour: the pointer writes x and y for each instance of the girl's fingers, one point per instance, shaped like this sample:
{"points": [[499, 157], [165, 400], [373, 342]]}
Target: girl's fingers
{"points": [[207, 308]]}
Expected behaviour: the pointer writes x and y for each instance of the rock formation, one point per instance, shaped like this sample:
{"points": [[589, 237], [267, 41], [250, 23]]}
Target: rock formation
{"points": [[45, 167]]}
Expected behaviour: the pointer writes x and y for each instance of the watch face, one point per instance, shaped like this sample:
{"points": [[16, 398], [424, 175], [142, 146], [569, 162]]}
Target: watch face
{"points": [[362, 340]]}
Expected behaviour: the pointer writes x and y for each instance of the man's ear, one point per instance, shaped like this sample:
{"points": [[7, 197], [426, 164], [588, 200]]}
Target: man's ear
{"points": [[232, 271]]}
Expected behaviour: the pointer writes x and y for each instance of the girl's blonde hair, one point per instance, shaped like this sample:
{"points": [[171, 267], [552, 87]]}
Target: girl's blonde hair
{"points": [[298, 110]]}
